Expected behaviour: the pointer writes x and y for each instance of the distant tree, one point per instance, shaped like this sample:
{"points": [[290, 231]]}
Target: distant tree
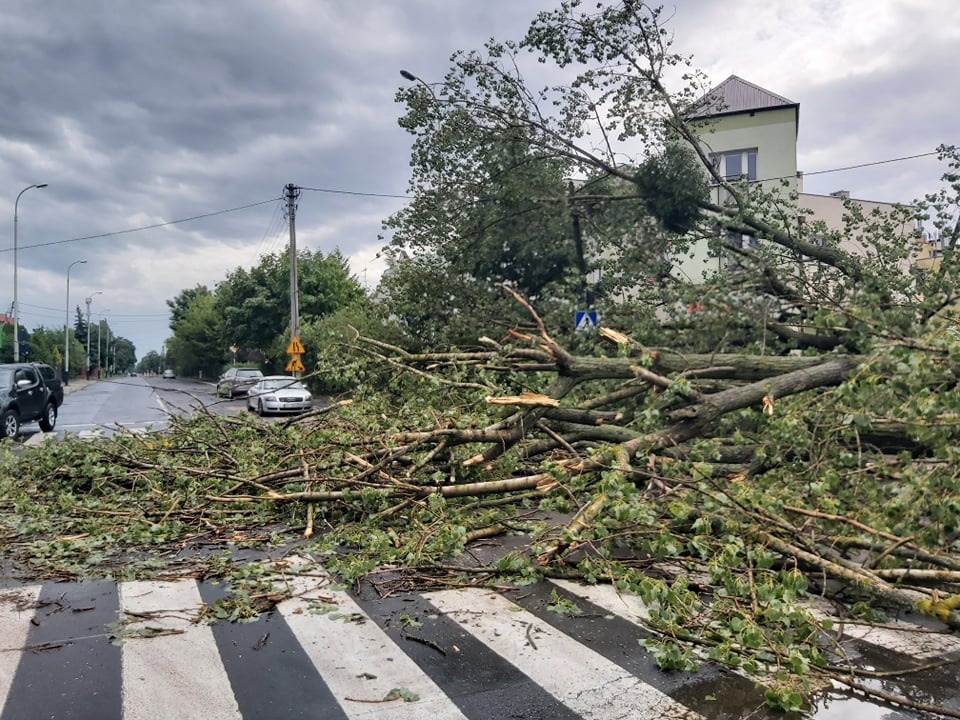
{"points": [[80, 330], [253, 306], [180, 305], [45, 345], [124, 354], [6, 343], [195, 346], [150, 363]]}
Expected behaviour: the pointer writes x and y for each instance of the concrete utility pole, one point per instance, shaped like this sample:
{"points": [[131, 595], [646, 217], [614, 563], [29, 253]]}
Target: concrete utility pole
{"points": [[292, 193], [89, 300]]}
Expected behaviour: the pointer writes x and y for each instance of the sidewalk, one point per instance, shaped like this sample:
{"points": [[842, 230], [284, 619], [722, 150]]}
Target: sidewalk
{"points": [[76, 384]]}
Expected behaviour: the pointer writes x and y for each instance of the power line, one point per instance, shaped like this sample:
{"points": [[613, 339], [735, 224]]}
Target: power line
{"points": [[352, 192], [869, 164], [272, 231], [112, 314], [841, 169], [146, 227]]}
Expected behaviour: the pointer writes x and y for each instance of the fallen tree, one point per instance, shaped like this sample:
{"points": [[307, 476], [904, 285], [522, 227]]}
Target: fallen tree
{"points": [[686, 453], [726, 491]]}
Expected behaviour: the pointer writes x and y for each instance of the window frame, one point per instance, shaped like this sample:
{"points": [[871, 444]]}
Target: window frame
{"points": [[745, 157]]}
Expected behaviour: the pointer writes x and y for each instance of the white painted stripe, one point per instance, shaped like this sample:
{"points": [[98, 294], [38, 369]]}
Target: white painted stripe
{"points": [[898, 636], [578, 677], [626, 605], [347, 648], [16, 610], [171, 677]]}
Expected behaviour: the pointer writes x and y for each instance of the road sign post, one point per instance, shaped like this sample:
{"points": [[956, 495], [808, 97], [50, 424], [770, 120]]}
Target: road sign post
{"points": [[585, 320], [295, 350]]}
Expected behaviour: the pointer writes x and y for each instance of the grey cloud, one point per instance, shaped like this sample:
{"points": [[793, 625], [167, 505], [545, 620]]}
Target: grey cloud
{"points": [[143, 112]]}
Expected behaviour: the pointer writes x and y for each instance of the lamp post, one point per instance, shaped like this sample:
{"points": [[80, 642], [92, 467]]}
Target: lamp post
{"points": [[16, 305], [90, 300], [66, 327]]}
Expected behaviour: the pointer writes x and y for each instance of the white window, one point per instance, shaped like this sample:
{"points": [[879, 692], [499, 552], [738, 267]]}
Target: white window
{"points": [[744, 242], [736, 164]]}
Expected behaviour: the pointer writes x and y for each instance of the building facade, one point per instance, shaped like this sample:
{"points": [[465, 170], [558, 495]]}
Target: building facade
{"points": [[750, 134]]}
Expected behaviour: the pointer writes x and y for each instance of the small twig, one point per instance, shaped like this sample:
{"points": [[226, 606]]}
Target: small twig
{"points": [[367, 700], [529, 634], [849, 521], [879, 558], [893, 698], [424, 641], [559, 439], [173, 505]]}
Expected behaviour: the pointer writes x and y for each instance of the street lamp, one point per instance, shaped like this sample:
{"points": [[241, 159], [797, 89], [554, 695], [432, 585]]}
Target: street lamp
{"points": [[16, 305], [66, 327], [90, 300]]}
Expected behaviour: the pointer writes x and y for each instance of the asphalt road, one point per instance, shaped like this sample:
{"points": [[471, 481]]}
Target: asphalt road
{"points": [[101, 407]]}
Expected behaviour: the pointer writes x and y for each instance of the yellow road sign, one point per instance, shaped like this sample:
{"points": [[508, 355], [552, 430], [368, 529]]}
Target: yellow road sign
{"points": [[294, 365], [295, 347]]}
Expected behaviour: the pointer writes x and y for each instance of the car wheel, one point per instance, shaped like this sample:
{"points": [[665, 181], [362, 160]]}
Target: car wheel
{"points": [[49, 418], [9, 424], [260, 408]]}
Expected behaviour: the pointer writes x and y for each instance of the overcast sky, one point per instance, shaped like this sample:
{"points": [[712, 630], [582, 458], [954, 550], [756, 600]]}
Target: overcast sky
{"points": [[139, 113]]}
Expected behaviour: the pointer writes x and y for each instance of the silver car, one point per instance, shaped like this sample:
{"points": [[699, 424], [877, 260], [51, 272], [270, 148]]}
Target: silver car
{"points": [[236, 381], [279, 394]]}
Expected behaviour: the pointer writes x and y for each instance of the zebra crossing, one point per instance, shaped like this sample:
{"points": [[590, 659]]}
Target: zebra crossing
{"points": [[135, 651]]}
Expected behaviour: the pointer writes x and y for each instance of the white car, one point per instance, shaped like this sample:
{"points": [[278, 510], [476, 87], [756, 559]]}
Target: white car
{"points": [[169, 374], [278, 394]]}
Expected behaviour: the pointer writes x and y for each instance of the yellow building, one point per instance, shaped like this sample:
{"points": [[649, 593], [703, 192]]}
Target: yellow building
{"points": [[750, 134]]}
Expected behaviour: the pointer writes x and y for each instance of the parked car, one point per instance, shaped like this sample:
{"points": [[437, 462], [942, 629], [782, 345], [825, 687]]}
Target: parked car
{"points": [[278, 394], [29, 392], [169, 374], [237, 380]]}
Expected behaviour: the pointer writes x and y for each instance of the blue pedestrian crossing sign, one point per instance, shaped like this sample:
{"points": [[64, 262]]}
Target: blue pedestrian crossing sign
{"points": [[585, 320]]}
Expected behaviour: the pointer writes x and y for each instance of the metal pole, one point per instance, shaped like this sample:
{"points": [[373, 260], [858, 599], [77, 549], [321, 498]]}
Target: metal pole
{"points": [[89, 300], [16, 305], [66, 328]]}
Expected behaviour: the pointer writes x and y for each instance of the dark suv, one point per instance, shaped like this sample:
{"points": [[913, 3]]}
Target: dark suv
{"points": [[28, 392]]}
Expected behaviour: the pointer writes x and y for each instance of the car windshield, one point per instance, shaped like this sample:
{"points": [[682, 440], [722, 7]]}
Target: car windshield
{"points": [[248, 373], [6, 378], [284, 384]]}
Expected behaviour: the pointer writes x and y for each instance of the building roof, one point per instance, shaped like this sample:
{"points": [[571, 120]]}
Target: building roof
{"points": [[736, 95]]}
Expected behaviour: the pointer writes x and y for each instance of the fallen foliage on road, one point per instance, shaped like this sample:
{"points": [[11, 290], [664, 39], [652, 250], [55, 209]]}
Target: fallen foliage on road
{"points": [[739, 496]]}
